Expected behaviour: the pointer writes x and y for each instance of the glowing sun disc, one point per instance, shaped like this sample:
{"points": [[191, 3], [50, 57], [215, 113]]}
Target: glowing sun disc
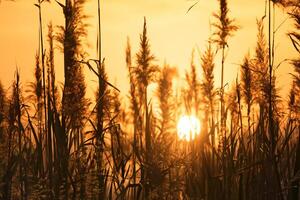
{"points": [[188, 127]]}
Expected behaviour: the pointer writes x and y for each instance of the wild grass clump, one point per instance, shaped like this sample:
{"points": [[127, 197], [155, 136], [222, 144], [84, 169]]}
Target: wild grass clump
{"points": [[56, 143]]}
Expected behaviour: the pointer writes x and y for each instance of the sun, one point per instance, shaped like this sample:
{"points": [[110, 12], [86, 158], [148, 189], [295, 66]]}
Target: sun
{"points": [[188, 127]]}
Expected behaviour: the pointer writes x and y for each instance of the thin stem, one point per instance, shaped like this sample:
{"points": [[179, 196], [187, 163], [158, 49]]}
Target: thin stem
{"points": [[43, 66]]}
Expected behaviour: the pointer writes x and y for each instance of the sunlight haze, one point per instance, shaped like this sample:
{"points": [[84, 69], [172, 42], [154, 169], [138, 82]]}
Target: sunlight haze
{"points": [[173, 33]]}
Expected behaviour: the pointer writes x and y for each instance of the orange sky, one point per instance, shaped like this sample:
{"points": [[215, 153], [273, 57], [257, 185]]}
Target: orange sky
{"points": [[172, 33]]}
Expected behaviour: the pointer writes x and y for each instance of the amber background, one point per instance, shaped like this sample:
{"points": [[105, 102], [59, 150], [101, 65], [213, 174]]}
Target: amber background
{"points": [[173, 34]]}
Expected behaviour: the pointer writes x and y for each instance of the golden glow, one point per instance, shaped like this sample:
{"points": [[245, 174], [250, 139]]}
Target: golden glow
{"points": [[172, 35], [188, 127]]}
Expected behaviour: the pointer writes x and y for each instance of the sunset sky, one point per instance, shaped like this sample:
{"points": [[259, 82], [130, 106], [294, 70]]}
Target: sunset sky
{"points": [[173, 34]]}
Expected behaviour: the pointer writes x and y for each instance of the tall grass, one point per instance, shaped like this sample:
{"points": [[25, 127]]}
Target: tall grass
{"points": [[145, 72], [58, 144]]}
